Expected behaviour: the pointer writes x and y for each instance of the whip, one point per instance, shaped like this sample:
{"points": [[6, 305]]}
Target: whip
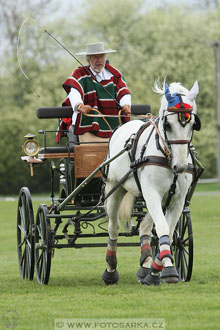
{"points": [[65, 48]]}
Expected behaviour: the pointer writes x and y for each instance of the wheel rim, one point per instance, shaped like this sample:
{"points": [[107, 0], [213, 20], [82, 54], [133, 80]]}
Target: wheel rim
{"points": [[183, 246], [42, 245], [25, 240]]}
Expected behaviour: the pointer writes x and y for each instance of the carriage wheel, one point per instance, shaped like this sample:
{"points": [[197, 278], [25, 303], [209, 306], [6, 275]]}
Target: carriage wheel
{"points": [[42, 245], [25, 236], [183, 246]]}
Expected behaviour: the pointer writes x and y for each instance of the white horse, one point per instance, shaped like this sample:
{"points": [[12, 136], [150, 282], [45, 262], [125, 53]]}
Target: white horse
{"points": [[169, 144]]}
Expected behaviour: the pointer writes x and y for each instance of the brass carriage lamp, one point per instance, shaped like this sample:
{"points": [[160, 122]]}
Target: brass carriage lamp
{"points": [[31, 148]]}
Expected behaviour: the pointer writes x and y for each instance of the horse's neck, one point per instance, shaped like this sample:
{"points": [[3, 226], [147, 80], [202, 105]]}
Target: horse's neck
{"points": [[148, 142]]}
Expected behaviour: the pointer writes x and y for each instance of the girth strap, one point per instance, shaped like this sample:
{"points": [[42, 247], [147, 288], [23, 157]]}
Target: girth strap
{"points": [[132, 153]]}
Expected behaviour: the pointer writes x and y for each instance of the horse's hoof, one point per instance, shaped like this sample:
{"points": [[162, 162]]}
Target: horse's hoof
{"points": [[151, 280], [169, 275], [110, 277], [142, 273]]}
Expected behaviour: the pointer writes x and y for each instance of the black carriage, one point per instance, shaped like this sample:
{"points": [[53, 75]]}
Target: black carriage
{"points": [[79, 207]]}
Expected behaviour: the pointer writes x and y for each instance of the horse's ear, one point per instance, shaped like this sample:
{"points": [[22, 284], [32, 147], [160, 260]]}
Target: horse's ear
{"points": [[193, 92]]}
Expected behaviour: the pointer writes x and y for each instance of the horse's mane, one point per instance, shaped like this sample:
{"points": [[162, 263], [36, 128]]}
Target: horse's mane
{"points": [[174, 87]]}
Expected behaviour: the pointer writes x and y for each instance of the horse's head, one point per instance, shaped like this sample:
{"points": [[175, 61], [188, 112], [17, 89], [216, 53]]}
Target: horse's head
{"points": [[178, 120]]}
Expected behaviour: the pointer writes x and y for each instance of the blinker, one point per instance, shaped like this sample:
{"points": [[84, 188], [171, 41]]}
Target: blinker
{"points": [[184, 118]]}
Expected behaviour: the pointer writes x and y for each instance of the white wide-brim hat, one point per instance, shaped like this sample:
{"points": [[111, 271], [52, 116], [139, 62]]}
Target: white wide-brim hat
{"points": [[96, 48]]}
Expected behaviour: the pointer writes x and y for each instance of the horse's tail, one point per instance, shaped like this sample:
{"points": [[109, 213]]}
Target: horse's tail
{"points": [[126, 209]]}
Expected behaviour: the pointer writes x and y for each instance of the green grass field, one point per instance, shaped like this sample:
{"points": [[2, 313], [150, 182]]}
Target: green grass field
{"points": [[76, 289]]}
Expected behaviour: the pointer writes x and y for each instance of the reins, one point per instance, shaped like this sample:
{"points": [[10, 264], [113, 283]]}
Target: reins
{"points": [[99, 115], [119, 116], [166, 150]]}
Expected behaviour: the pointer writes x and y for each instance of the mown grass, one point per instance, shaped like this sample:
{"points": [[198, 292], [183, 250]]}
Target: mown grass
{"points": [[76, 289], [215, 186]]}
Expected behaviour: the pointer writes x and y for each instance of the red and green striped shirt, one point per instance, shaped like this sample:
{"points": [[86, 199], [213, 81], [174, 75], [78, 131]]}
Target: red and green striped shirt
{"points": [[95, 96]]}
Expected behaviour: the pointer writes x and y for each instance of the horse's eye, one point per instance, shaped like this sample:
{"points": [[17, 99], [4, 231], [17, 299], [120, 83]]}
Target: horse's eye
{"points": [[167, 126]]}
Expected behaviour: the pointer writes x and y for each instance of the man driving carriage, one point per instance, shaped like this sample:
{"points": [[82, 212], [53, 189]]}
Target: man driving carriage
{"points": [[98, 89]]}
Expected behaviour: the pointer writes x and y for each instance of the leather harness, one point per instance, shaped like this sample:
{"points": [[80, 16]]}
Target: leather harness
{"points": [[131, 147], [153, 160]]}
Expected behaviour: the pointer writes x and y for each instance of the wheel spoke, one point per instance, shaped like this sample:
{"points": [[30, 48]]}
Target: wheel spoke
{"points": [[41, 265], [39, 258], [40, 233], [42, 226], [23, 256], [22, 229], [28, 261], [23, 261], [21, 215], [186, 251], [20, 245], [183, 272], [185, 260], [184, 228], [23, 209], [45, 264], [28, 243]]}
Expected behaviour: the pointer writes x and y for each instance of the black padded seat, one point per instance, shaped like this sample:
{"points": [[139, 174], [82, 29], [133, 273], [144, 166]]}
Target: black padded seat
{"points": [[66, 112], [140, 109]]}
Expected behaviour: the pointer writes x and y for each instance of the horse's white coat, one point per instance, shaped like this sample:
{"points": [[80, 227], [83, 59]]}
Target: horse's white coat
{"points": [[155, 181]]}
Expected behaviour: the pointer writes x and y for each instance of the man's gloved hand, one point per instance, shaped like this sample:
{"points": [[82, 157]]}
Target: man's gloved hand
{"points": [[84, 109], [126, 109]]}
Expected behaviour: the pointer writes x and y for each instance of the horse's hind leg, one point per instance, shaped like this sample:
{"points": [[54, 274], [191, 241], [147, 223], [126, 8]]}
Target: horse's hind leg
{"points": [[146, 253], [111, 275]]}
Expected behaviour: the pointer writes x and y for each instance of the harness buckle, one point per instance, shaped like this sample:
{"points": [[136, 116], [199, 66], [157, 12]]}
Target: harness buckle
{"points": [[129, 142]]}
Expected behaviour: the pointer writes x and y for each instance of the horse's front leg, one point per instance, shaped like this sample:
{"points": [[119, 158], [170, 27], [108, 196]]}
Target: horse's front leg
{"points": [[164, 259], [111, 275], [146, 253]]}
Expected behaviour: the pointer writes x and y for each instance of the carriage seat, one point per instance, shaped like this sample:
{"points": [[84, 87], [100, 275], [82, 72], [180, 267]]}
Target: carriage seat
{"points": [[66, 112]]}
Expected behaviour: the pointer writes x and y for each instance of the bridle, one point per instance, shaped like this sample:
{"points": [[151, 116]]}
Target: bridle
{"points": [[172, 112], [167, 151], [184, 114]]}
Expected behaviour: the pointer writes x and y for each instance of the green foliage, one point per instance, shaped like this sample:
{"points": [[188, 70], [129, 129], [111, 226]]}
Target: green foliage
{"points": [[172, 42]]}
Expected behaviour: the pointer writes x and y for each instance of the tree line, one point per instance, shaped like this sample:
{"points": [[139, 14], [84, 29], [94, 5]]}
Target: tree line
{"points": [[167, 41]]}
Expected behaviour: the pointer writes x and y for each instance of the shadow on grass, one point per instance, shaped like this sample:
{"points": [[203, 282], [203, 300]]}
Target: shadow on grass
{"points": [[90, 280]]}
